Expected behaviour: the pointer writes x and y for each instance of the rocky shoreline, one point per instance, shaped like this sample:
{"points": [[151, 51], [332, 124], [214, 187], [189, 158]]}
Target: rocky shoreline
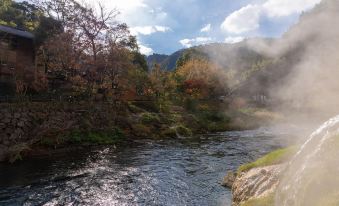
{"points": [[254, 184]]}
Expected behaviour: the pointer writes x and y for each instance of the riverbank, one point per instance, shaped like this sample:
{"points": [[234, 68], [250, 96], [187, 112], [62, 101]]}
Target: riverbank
{"points": [[28, 127], [254, 183], [184, 171]]}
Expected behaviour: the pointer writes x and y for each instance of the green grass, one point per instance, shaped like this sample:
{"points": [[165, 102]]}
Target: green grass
{"points": [[275, 157], [265, 201], [94, 137]]}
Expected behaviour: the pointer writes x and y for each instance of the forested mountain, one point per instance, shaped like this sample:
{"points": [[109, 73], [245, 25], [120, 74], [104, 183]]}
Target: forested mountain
{"points": [[276, 68], [230, 55], [167, 62]]}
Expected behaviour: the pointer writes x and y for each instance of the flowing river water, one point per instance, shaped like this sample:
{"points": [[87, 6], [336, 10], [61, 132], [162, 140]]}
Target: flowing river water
{"points": [[149, 172]]}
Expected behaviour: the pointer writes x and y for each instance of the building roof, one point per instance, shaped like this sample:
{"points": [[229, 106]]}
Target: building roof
{"points": [[16, 32]]}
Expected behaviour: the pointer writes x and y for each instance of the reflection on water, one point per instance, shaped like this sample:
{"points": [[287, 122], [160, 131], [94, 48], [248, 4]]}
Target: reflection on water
{"points": [[174, 172]]}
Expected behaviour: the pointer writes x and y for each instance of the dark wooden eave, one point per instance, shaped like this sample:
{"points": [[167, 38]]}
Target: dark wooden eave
{"points": [[16, 32]]}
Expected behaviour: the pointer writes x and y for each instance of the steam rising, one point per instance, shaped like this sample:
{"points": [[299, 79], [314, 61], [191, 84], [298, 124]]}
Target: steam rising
{"points": [[311, 86], [305, 79], [312, 80], [303, 69], [311, 177]]}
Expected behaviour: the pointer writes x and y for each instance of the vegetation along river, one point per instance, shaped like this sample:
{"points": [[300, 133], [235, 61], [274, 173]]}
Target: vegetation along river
{"points": [[171, 172]]}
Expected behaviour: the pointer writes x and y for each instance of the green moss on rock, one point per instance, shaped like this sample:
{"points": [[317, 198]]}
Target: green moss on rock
{"points": [[275, 157]]}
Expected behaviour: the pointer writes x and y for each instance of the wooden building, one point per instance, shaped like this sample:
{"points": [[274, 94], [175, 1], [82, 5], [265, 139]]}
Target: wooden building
{"points": [[17, 57]]}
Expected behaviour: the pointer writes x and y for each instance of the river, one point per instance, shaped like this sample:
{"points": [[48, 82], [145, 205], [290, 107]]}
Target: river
{"points": [[147, 172]]}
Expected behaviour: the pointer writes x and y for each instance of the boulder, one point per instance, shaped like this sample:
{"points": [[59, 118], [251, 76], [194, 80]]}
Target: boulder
{"points": [[229, 179], [256, 183]]}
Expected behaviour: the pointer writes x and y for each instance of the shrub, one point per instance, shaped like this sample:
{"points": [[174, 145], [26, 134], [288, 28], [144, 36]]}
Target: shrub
{"points": [[163, 106], [170, 132], [141, 130], [148, 118], [191, 104], [203, 107], [217, 116], [183, 131], [75, 136]]}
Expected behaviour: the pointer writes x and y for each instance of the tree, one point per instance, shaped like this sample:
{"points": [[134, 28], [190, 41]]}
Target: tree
{"points": [[19, 14], [203, 79], [139, 60], [47, 29], [93, 46], [158, 81]]}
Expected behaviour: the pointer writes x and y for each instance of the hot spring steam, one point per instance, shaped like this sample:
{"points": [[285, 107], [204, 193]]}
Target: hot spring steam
{"points": [[311, 178]]}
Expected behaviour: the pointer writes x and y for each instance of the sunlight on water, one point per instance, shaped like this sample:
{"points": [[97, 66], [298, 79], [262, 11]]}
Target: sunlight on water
{"points": [[178, 172]]}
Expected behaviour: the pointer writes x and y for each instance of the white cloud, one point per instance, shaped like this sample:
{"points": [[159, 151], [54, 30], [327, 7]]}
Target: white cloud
{"points": [[233, 40], [206, 28], [196, 41], [162, 28], [124, 6], [136, 13], [278, 8], [203, 39], [247, 18], [186, 42], [145, 50], [243, 20], [147, 30]]}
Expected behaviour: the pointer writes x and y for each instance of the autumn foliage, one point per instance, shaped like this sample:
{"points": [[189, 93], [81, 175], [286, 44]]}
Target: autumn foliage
{"points": [[202, 79]]}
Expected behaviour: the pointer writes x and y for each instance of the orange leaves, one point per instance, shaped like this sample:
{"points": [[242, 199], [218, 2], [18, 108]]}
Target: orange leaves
{"points": [[196, 87], [202, 78]]}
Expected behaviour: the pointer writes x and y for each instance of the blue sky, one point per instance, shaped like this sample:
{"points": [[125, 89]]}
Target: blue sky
{"points": [[165, 26]]}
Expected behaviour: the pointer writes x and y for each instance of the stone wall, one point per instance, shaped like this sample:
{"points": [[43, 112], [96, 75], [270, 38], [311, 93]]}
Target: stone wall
{"points": [[22, 125]]}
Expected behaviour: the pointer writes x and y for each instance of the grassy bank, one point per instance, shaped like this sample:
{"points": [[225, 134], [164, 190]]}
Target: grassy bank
{"points": [[197, 117], [272, 158], [275, 157], [59, 125]]}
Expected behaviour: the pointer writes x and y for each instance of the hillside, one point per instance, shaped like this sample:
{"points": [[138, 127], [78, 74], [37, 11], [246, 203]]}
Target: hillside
{"points": [[155, 59], [279, 69], [167, 62], [228, 55]]}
